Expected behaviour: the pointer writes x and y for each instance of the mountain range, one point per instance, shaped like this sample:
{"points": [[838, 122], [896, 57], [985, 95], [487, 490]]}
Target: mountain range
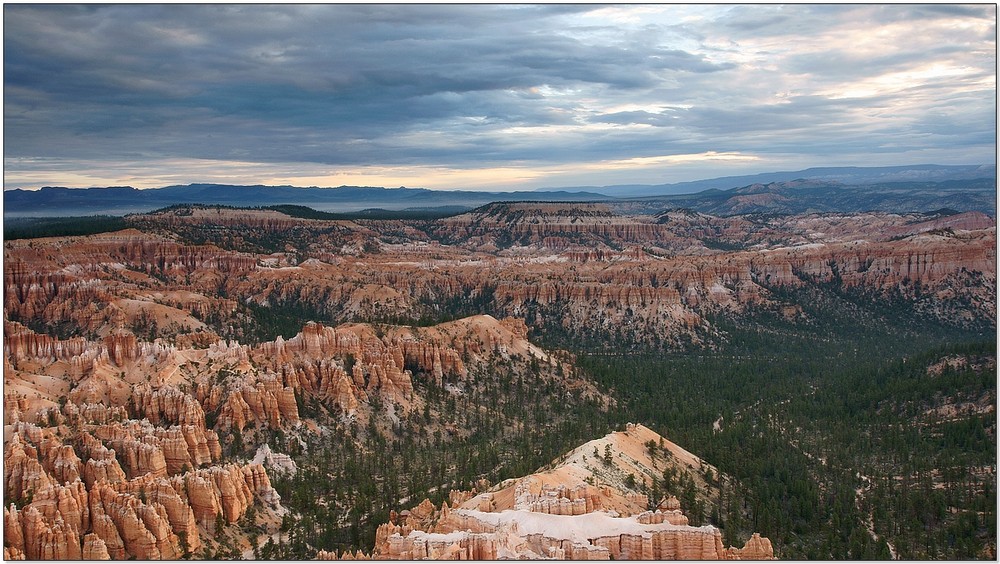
{"points": [[119, 200], [851, 175], [845, 189]]}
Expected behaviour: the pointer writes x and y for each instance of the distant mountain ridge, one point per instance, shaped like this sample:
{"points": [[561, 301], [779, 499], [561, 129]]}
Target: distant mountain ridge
{"points": [[852, 175], [846, 189], [816, 196], [119, 200]]}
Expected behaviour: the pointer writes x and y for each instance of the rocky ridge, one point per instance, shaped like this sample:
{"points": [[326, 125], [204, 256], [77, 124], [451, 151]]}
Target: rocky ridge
{"points": [[555, 265], [74, 500], [149, 478], [573, 510]]}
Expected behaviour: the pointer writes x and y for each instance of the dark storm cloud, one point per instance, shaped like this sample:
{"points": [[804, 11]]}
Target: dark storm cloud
{"points": [[334, 71], [480, 85]]}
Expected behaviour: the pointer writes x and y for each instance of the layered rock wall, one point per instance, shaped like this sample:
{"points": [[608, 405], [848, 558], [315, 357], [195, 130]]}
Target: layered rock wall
{"points": [[142, 498]]}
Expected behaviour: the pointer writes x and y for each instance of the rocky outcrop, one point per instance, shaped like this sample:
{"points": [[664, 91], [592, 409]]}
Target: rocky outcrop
{"points": [[141, 529], [579, 265], [432, 546], [139, 453], [756, 548], [470, 534], [23, 474], [94, 548], [20, 342], [561, 500], [170, 494], [347, 555], [44, 540], [558, 514], [261, 399], [65, 508], [341, 366], [134, 426], [102, 463], [167, 404], [227, 491]]}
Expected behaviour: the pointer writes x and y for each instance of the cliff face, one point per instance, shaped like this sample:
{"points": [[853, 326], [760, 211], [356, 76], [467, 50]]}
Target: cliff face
{"points": [[139, 478], [121, 397], [570, 265], [575, 510], [657, 278], [98, 282], [110, 453], [171, 390], [62, 508]]}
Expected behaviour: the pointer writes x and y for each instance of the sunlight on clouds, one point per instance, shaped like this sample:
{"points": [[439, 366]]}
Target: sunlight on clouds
{"points": [[637, 162], [650, 108], [22, 173], [634, 15], [156, 174], [899, 81], [838, 52], [417, 177], [179, 36], [504, 177]]}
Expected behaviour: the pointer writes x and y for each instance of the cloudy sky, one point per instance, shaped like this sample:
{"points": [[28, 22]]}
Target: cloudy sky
{"points": [[488, 96]]}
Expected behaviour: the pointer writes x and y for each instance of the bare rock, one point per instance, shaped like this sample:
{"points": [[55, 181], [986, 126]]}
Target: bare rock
{"points": [[94, 548]]}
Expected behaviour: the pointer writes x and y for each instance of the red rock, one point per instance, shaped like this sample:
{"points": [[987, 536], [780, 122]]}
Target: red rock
{"points": [[23, 473], [94, 548]]}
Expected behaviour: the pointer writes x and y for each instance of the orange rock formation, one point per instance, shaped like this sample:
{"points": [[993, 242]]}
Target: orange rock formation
{"points": [[559, 514]]}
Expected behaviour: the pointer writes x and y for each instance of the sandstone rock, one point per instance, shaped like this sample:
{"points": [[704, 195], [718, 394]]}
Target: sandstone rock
{"points": [[23, 473], [13, 534], [99, 512], [140, 529], [169, 404], [121, 347], [559, 514], [142, 457], [103, 468], [14, 404], [60, 461], [175, 447], [44, 541], [205, 503], [93, 413], [226, 490], [104, 527], [582, 264], [756, 548], [168, 493], [69, 503], [94, 548]]}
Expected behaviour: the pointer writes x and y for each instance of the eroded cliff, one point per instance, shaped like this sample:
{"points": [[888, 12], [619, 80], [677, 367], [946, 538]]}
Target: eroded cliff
{"points": [[579, 509]]}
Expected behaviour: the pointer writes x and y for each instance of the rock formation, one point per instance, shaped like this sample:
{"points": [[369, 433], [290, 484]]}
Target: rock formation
{"points": [[559, 514], [128, 368], [154, 494], [579, 265]]}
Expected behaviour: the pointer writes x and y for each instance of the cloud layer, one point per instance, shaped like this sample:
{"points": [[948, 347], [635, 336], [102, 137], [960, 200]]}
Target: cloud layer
{"points": [[491, 96]]}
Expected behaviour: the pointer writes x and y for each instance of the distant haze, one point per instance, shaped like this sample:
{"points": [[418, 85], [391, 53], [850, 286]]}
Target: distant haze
{"points": [[918, 188], [488, 97]]}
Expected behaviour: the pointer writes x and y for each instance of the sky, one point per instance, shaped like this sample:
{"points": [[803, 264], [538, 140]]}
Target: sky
{"points": [[488, 97]]}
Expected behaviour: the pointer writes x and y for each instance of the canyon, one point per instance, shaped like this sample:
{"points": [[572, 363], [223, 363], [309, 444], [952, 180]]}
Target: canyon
{"points": [[566, 267], [109, 452], [163, 381]]}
